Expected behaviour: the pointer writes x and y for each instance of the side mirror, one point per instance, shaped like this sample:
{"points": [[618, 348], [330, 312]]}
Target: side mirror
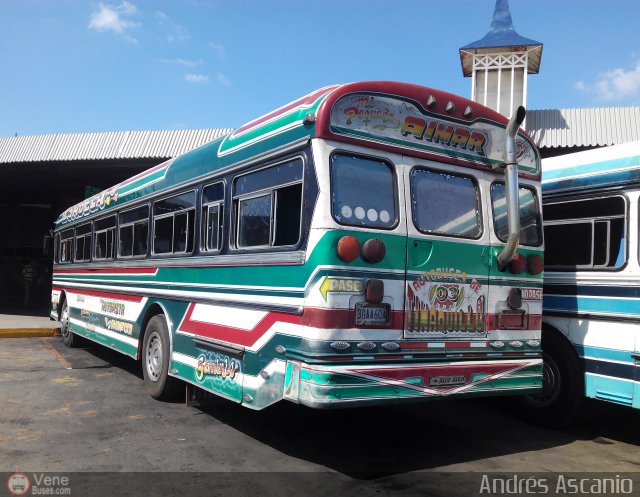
{"points": [[47, 243]]}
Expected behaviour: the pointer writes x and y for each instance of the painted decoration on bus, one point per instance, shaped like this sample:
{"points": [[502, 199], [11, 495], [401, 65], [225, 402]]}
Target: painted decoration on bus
{"points": [[219, 372], [93, 204], [440, 303], [402, 123]]}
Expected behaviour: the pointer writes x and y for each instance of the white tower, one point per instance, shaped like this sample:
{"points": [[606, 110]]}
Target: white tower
{"points": [[500, 62]]}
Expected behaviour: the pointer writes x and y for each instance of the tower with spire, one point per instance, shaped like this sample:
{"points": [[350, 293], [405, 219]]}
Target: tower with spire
{"points": [[500, 62]]}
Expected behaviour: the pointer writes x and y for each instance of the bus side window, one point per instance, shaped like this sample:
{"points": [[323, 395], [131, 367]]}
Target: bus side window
{"points": [[268, 206], [586, 234], [104, 230], [173, 224], [133, 232], [83, 243], [66, 245], [212, 217]]}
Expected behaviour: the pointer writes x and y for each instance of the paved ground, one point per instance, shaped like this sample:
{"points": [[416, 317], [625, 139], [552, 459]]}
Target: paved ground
{"points": [[68, 410]]}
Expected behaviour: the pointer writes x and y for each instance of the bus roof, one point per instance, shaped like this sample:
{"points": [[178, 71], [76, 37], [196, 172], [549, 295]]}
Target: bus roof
{"points": [[608, 167], [405, 118]]}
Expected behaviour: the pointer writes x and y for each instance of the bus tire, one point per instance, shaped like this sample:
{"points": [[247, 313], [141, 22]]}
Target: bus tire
{"points": [[562, 397], [155, 360], [69, 338]]}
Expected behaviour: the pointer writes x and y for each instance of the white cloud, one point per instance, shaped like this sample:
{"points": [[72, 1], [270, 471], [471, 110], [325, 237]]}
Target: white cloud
{"points": [[183, 62], [115, 18], [180, 35], [614, 84], [222, 79], [217, 48], [196, 78]]}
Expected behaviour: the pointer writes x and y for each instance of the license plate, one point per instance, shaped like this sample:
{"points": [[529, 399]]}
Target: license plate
{"points": [[372, 314], [441, 381]]}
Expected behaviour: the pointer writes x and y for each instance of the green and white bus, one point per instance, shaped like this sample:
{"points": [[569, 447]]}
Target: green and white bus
{"points": [[368, 243]]}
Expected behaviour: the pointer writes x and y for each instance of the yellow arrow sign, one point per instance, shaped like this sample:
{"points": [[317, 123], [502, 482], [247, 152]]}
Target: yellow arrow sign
{"points": [[341, 285]]}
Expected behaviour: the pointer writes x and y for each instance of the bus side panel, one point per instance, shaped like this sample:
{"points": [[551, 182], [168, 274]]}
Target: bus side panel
{"points": [[106, 318], [609, 365], [604, 348]]}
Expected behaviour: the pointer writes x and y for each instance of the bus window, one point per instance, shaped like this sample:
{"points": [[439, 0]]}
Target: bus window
{"points": [[173, 224], [445, 203], [83, 243], [105, 230], [66, 245], [362, 192], [133, 232], [529, 215], [212, 219], [268, 206], [586, 234]]}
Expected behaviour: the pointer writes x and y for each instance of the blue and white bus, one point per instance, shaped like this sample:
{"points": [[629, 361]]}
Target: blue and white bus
{"points": [[591, 306]]}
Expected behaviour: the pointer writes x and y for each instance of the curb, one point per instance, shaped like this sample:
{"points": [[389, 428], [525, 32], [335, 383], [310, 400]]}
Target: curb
{"points": [[28, 332]]}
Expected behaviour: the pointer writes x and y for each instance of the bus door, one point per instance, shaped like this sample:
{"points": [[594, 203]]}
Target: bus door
{"points": [[446, 288]]}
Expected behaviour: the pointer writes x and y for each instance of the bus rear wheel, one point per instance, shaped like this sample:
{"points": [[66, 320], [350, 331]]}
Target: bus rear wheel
{"points": [[561, 398], [155, 360], [69, 338]]}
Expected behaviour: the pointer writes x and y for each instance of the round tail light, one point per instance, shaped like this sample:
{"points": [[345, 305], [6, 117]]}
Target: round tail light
{"points": [[535, 264], [348, 248], [517, 264], [373, 250]]}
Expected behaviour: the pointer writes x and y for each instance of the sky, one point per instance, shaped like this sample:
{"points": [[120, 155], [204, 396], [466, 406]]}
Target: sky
{"points": [[73, 66]]}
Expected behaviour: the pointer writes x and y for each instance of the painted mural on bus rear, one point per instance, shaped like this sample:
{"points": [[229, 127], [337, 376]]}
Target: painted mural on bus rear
{"points": [[368, 243]]}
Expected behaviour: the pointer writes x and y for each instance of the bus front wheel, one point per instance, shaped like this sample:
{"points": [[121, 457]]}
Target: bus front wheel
{"points": [[155, 360], [69, 338], [561, 398]]}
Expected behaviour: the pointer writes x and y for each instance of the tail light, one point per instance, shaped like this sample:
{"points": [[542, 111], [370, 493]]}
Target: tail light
{"points": [[373, 250], [348, 248], [535, 264], [517, 264]]}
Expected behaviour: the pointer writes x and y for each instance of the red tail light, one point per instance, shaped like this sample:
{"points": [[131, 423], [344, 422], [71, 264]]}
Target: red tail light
{"points": [[373, 250], [517, 264], [535, 264], [348, 248]]}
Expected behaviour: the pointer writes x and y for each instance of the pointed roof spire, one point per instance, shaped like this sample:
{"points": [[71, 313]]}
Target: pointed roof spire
{"points": [[502, 35]]}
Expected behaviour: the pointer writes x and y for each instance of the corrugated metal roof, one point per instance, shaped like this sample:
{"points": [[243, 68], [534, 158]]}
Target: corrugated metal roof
{"points": [[590, 127], [110, 145]]}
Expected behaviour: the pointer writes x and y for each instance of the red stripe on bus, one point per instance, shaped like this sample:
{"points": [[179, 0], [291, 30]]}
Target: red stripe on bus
{"points": [[144, 174], [237, 336], [133, 270], [107, 295], [306, 100], [317, 317]]}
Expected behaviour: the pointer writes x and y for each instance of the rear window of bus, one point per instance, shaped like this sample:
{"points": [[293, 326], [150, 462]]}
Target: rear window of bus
{"points": [[530, 225], [447, 204], [363, 191]]}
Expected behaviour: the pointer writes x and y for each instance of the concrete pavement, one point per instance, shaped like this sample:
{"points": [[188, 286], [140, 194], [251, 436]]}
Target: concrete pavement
{"points": [[26, 323]]}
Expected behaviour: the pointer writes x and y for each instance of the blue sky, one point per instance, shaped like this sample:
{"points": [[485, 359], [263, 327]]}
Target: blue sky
{"points": [[82, 66]]}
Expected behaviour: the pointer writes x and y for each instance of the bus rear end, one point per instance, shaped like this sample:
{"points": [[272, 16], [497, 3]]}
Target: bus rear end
{"points": [[422, 285]]}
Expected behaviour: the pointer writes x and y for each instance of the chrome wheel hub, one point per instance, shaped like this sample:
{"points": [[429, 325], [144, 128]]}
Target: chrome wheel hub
{"points": [[154, 356]]}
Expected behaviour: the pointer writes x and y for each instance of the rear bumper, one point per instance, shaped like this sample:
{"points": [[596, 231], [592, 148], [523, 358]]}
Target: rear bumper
{"points": [[332, 386]]}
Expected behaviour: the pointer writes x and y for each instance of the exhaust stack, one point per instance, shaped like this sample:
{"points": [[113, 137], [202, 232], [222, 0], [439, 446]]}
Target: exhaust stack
{"points": [[511, 189]]}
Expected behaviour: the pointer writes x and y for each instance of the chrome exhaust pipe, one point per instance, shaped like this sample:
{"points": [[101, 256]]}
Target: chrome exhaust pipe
{"points": [[511, 189]]}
